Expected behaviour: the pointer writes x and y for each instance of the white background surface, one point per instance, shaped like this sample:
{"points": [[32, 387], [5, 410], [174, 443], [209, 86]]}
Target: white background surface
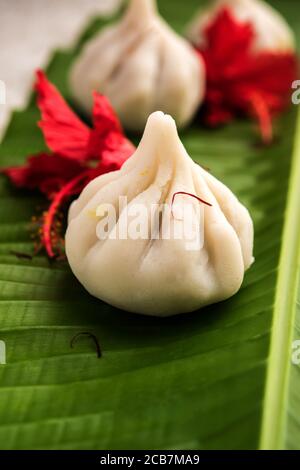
{"points": [[30, 30]]}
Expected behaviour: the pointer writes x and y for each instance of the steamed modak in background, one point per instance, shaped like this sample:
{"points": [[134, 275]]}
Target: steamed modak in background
{"points": [[272, 33], [142, 66]]}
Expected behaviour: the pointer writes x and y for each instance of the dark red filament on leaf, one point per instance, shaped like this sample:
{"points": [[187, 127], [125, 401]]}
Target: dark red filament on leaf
{"points": [[21, 255], [89, 335]]}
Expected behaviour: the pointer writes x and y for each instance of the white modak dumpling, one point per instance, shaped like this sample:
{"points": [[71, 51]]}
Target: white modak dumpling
{"points": [[142, 66], [122, 257], [272, 33]]}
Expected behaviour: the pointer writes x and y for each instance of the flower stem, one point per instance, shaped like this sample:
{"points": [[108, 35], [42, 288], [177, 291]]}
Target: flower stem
{"points": [[60, 197]]}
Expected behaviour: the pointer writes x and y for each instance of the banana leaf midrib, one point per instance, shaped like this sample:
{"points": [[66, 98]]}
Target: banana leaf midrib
{"points": [[277, 385]]}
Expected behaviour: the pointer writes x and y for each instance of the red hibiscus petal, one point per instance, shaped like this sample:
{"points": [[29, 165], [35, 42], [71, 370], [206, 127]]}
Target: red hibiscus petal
{"points": [[63, 131], [222, 34], [44, 172], [104, 117], [107, 133]]}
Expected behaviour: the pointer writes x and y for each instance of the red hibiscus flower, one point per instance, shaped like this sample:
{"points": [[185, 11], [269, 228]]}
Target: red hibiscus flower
{"points": [[240, 81], [78, 155]]}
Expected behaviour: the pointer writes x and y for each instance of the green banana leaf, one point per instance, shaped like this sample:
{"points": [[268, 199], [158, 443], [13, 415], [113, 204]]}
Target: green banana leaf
{"points": [[219, 378]]}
